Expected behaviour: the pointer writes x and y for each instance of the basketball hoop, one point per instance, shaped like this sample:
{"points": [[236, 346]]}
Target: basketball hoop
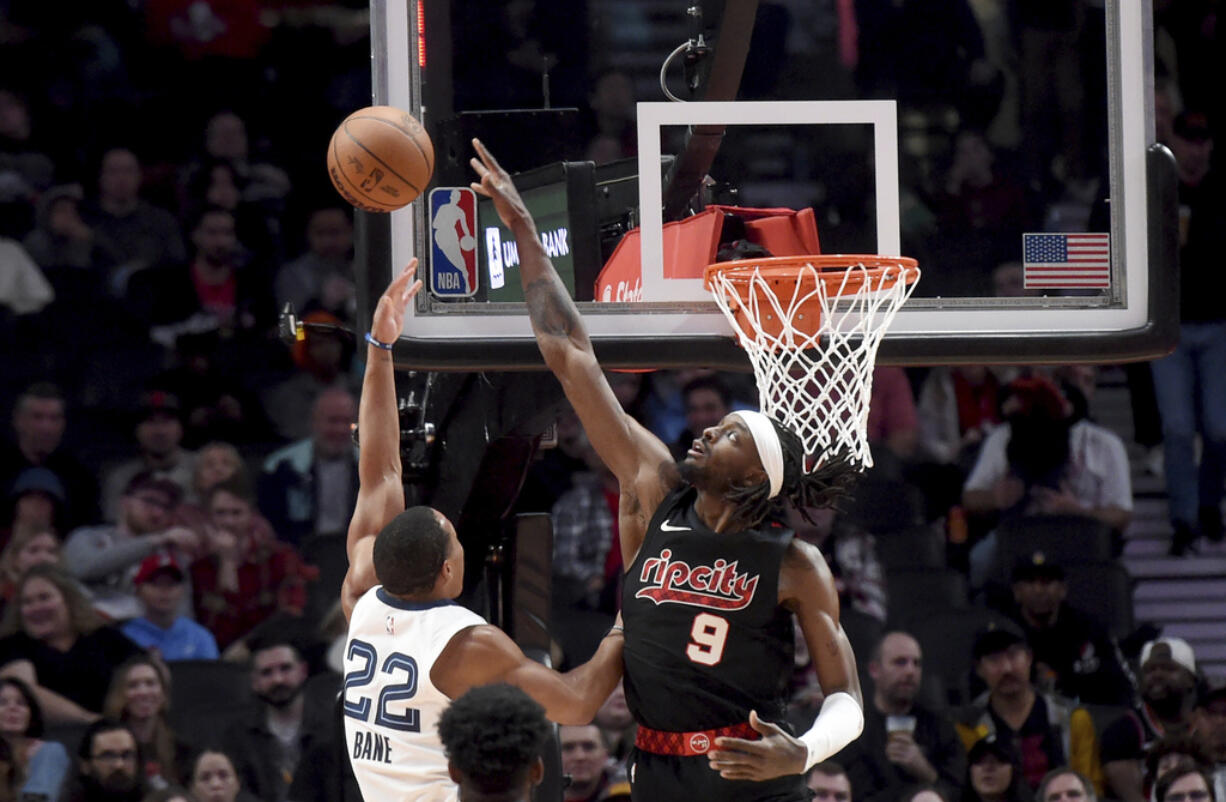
{"points": [[811, 326]]}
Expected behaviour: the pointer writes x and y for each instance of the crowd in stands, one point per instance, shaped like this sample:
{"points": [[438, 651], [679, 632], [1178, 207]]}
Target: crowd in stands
{"points": [[172, 466]]}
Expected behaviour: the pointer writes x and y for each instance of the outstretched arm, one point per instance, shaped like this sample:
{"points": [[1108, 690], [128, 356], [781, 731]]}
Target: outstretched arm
{"points": [[381, 488], [634, 455], [484, 654]]}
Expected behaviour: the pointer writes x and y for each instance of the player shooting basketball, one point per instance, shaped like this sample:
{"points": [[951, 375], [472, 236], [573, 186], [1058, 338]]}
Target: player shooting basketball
{"points": [[710, 586], [411, 648]]}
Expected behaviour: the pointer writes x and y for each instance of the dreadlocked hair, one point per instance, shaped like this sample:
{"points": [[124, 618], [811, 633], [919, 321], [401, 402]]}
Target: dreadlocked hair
{"points": [[823, 487]]}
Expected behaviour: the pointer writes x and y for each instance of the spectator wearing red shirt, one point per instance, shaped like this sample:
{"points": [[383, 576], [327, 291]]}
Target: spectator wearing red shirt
{"points": [[245, 577]]}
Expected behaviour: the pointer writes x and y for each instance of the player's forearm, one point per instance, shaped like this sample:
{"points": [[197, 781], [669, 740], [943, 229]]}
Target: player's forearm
{"points": [[378, 421], [840, 722], [593, 682], [554, 316]]}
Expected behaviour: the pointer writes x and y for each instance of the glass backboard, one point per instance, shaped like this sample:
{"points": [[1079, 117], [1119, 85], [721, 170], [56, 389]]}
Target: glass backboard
{"points": [[1014, 157]]}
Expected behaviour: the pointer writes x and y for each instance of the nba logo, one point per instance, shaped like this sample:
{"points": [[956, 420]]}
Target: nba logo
{"points": [[453, 242]]}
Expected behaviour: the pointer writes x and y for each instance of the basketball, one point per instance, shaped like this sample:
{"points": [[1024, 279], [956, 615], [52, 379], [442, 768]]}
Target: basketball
{"points": [[380, 158]]}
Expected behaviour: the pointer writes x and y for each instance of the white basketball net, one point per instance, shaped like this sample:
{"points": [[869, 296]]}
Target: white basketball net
{"points": [[818, 385]]}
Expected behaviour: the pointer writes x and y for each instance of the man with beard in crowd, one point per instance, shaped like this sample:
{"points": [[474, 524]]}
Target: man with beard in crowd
{"points": [[109, 769], [903, 743], [1047, 731], [1074, 654], [1168, 695], [268, 743]]}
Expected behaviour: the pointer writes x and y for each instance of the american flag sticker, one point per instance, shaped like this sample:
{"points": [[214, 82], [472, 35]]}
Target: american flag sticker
{"points": [[1066, 261]]}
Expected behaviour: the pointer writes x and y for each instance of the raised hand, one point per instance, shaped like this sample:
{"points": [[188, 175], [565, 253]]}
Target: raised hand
{"points": [[389, 314], [496, 184], [777, 754]]}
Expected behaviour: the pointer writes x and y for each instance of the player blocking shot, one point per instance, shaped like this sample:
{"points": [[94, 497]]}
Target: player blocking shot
{"points": [[711, 584], [411, 648]]}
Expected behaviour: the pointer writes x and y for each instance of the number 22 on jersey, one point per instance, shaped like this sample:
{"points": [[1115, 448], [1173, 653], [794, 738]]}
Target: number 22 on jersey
{"points": [[707, 638], [359, 708]]}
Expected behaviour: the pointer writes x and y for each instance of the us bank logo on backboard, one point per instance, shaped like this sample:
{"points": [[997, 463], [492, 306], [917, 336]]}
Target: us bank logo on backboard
{"points": [[453, 242]]}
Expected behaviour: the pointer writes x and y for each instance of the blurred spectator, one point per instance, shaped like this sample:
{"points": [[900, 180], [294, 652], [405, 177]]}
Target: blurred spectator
{"points": [[923, 794], [245, 576], [213, 778], [215, 403], [322, 361], [1168, 695], [1170, 752], [892, 420], [1190, 383], [994, 773], [706, 401], [1052, 86], [139, 696], [1210, 728], [25, 170], [159, 442], [139, 234], [52, 639], [1185, 783], [1065, 785], [35, 504], [1073, 654], [957, 408], [218, 184], [309, 487], [1009, 281], [215, 289], [107, 557], [586, 550], [171, 793], [216, 463], [226, 139], [109, 765], [161, 588], [24, 289], [23, 552], [485, 768], [39, 421], [613, 135], [62, 240], [40, 766], [322, 277], [852, 556], [903, 743], [1041, 462], [585, 757], [1046, 730], [270, 740], [617, 724], [828, 781], [981, 211]]}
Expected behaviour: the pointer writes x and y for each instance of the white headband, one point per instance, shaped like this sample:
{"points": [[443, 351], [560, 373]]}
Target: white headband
{"points": [[769, 448]]}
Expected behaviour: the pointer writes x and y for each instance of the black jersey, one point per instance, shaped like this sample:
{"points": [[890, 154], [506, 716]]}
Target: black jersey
{"points": [[706, 639]]}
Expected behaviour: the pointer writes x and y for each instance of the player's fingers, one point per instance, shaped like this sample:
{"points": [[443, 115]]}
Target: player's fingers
{"points": [[478, 167], [480, 190], [486, 156], [764, 727], [735, 745], [412, 291]]}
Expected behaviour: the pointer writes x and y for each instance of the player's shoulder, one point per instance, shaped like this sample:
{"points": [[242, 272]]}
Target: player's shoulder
{"points": [[804, 574]]}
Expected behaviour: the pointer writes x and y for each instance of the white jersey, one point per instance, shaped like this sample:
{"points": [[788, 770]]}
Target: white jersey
{"points": [[391, 706]]}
